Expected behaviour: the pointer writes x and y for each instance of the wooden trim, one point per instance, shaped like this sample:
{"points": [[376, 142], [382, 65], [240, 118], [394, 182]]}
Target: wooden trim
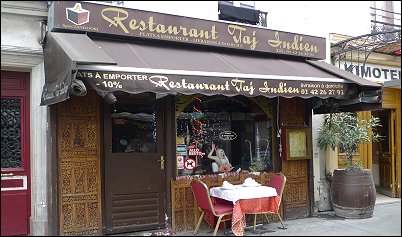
{"points": [[392, 150], [185, 213], [53, 211], [390, 98], [170, 153]]}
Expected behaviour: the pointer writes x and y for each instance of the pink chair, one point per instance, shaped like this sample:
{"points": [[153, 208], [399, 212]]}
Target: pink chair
{"points": [[222, 210], [278, 182]]}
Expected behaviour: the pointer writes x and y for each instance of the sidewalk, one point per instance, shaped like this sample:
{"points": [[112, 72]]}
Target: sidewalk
{"points": [[386, 221]]}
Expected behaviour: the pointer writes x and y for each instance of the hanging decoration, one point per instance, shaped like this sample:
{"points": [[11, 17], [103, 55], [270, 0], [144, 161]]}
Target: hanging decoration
{"points": [[198, 132], [197, 125]]}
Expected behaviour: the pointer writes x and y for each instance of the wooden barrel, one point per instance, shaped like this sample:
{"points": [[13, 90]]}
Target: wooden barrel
{"points": [[353, 193]]}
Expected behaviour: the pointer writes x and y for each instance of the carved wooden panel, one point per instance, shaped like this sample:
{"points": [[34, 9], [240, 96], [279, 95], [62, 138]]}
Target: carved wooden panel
{"points": [[78, 165], [295, 196], [292, 111], [185, 213]]}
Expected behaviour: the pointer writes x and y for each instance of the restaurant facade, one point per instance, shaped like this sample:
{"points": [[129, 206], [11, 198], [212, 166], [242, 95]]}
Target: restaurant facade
{"points": [[137, 99]]}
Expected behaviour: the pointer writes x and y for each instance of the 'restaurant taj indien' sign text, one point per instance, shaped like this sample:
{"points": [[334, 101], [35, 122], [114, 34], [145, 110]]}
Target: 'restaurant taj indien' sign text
{"points": [[89, 17], [108, 81]]}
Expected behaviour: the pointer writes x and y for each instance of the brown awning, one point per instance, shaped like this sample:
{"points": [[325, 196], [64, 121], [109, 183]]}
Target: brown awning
{"points": [[170, 69], [63, 53]]}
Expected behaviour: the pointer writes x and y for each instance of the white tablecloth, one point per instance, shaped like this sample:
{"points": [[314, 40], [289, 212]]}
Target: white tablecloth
{"points": [[242, 192]]}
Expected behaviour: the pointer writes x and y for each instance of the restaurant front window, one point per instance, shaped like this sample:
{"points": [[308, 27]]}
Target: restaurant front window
{"points": [[220, 134]]}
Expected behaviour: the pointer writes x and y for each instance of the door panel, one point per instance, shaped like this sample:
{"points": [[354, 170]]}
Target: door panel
{"points": [[134, 172], [14, 224], [386, 153], [385, 172], [15, 178], [392, 147]]}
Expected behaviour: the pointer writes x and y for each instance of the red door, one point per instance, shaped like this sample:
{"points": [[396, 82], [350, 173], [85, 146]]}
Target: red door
{"points": [[15, 177]]}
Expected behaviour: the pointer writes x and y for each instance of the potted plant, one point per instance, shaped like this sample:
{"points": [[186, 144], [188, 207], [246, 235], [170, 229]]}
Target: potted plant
{"points": [[352, 188]]}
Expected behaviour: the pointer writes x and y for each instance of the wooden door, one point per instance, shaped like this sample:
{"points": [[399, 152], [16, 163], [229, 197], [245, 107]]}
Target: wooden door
{"points": [[134, 165], [392, 135], [15, 176], [386, 153]]}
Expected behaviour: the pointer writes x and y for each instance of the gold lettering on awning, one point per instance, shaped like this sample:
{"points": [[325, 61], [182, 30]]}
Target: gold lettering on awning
{"points": [[130, 82], [297, 44]]}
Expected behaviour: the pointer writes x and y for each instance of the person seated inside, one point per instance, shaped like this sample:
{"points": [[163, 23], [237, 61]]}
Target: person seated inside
{"points": [[221, 163]]}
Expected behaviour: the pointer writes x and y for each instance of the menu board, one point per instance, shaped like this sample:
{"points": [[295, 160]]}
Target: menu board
{"points": [[298, 144]]}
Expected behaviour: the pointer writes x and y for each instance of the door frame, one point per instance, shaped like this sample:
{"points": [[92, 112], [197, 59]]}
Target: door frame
{"points": [[162, 108], [15, 84], [390, 156], [392, 101], [392, 147]]}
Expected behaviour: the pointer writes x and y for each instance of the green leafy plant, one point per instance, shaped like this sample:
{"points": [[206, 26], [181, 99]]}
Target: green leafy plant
{"points": [[257, 165], [346, 131], [254, 168]]}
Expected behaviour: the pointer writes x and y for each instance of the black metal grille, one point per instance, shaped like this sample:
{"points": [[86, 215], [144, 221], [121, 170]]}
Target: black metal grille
{"points": [[360, 47], [10, 133]]}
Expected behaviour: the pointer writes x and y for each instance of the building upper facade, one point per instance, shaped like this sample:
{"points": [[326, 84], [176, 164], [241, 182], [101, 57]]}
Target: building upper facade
{"points": [[315, 18], [21, 32]]}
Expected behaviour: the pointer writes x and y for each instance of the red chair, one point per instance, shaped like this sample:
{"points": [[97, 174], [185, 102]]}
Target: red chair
{"points": [[278, 182], [221, 210]]}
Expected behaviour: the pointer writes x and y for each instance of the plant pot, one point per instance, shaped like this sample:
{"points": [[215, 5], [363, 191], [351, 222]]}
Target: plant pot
{"points": [[353, 193]]}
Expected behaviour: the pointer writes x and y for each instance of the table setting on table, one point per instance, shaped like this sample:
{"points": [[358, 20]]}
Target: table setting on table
{"points": [[250, 197]]}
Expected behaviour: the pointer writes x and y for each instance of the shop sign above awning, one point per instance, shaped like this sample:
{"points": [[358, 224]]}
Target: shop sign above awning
{"points": [[120, 22]]}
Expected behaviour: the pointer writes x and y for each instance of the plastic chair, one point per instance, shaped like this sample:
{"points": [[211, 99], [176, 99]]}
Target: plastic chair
{"points": [[221, 210], [278, 182]]}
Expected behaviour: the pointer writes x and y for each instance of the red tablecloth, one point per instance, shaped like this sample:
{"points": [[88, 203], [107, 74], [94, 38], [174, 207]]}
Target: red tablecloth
{"points": [[250, 206]]}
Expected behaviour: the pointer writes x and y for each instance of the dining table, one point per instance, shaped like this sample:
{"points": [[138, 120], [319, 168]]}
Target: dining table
{"points": [[247, 200]]}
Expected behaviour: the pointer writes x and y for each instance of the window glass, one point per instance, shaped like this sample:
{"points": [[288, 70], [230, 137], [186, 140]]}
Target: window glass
{"points": [[10, 133], [220, 134], [384, 133], [134, 128]]}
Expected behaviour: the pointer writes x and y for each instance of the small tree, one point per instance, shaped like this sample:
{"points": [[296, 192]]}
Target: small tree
{"points": [[346, 131]]}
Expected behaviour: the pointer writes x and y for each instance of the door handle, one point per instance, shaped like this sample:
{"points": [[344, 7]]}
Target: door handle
{"points": [[162, 161], [7, 175]]}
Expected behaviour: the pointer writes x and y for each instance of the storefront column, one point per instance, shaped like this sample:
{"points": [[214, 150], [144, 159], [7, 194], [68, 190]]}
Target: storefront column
{"points": [[324, 161], [39, 163]]}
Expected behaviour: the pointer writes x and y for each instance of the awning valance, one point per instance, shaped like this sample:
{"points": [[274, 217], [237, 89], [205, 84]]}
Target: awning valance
{"points": [[167, 69]]}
